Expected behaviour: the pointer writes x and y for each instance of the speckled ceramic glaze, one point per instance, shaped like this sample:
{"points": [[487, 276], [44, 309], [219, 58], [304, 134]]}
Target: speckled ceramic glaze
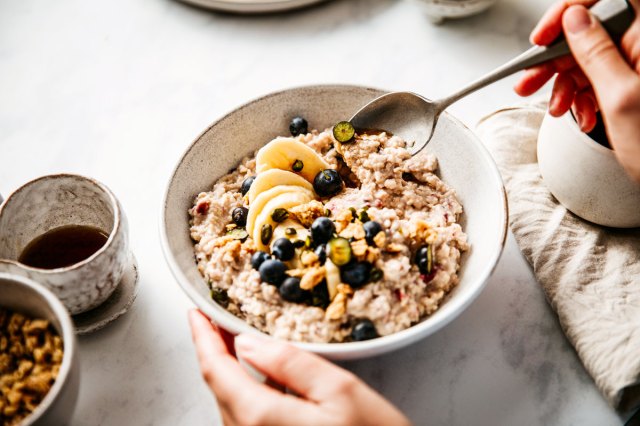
{"points": [[58, 200], [464, 164], [20, 294], [586, 177]]}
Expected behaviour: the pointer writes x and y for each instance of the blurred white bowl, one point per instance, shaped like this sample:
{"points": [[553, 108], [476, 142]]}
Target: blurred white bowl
{"points": [[439, 10], [585, 176]]}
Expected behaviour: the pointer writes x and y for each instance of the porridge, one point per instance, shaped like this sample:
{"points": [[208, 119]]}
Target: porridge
{"points": [[330, 236]]}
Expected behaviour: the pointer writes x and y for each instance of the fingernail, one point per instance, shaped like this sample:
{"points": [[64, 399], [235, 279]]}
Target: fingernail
{"points": [[577, 19], [579, 119], [248, 342]]}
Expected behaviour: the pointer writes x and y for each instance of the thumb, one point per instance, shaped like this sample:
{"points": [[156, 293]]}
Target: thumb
{"points": [[594, 51]]}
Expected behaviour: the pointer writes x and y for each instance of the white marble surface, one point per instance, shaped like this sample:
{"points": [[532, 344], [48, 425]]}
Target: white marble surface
{"points": [[117, 90]]}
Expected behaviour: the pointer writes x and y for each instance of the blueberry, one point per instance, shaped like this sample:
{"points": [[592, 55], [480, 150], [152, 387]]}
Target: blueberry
{"points": [[273, 271], [371, 229], [291, 292], [246, 185], [257, 259], [321, 252], [239, 216], [320, 295], [322, 230], [298, 126], [327, 183], [424, 259], [356, 274], [364, 330], [283, 249]]}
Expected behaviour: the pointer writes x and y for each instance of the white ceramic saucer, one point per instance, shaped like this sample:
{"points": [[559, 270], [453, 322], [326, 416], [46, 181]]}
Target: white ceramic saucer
{"points": [[252, 6], [115, 306]]}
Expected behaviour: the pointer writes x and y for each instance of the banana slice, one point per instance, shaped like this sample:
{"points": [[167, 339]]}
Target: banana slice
{"points": [[301, 234], [333, 278], [259, 202], [281, 153], [274, 177], [280, 230], [285, 200]]}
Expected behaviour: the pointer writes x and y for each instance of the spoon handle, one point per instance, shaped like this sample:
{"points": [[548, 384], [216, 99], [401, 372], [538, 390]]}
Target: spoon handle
{"points": [[615, 15]]}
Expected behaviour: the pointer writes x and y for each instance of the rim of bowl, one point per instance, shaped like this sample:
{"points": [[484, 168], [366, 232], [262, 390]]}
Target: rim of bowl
{"points": [[346, 350], [68, 340], [112, 234], [573, 125]]}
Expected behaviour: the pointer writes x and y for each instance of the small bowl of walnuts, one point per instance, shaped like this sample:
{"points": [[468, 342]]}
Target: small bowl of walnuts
{"points": [[39, 372]]}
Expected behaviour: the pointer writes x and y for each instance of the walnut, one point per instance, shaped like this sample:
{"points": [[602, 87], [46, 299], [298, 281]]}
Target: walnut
{"points": [[380, 239], [373, 254], [422, 231], [353, 230], [312, 277], [359, 248], [338, 305], [309, 258], [395, 248], [307, 213], [343, 220]]}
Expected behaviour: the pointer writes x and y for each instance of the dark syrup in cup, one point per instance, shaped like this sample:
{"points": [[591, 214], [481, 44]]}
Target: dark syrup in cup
{"points": [[63, 246]]}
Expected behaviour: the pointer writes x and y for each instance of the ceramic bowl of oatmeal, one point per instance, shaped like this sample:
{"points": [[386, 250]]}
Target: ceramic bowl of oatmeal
{"points": [[282, 219]]}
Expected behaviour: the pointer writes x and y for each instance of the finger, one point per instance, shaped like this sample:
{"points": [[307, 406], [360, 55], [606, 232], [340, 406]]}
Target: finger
{"points": [[306, 374], [585, 110], [534, 78], [228, 340], [564, 91], [630, 42], [550, 26], [579, 78], [594, 51], [222, 372]]}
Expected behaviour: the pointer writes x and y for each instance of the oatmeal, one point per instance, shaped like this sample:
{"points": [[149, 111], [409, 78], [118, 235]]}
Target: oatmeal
{"points": [[317, 240]]}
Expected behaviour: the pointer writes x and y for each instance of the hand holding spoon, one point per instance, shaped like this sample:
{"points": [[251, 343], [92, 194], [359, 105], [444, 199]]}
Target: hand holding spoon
{"points": [[414, 117]]}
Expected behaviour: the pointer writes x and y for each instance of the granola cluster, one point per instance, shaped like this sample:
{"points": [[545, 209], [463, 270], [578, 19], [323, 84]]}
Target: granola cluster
{"points": [[30, 357]]}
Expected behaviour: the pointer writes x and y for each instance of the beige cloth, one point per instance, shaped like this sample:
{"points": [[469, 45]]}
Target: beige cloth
{"points": [[590, 274]]}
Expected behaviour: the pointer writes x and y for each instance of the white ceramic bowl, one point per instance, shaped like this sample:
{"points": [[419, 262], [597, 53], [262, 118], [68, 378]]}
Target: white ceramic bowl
{"points": [[23, 295], [585, 176], [439, 10], [464, 164], [252, 6]]}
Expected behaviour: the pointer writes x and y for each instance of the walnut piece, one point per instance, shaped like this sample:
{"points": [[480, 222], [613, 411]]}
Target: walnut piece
{"points": [[312, 277], [307, 213]]}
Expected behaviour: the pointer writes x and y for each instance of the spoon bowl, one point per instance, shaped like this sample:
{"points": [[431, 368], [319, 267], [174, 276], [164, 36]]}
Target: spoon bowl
{"points": [[401, 113]]}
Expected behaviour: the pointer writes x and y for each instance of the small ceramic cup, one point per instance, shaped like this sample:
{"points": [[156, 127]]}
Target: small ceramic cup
{"points": [[585, 176], [59, 200]]}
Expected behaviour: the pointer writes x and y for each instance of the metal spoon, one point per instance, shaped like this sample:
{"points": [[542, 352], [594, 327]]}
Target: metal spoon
{"points": [[414, 117]]}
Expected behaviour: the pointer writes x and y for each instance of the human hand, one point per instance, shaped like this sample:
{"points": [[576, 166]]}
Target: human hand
{"points": [[597, 76], [328, 395]]}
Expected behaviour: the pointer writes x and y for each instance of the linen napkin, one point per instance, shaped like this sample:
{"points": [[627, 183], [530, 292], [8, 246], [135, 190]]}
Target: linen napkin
{"points": [[590, 274]]}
